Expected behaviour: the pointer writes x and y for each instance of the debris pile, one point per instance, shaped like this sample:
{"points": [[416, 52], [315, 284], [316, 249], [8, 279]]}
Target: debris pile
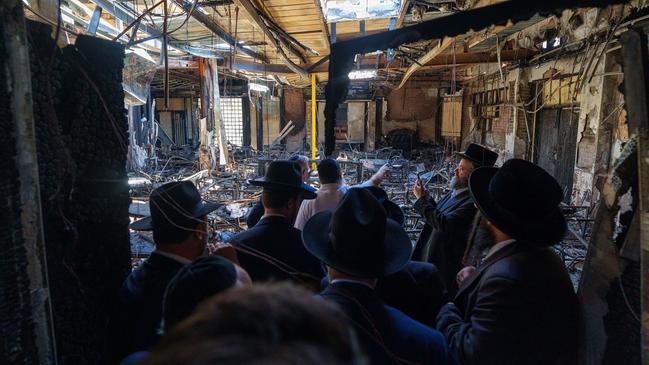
{"points": [[433, 165]]}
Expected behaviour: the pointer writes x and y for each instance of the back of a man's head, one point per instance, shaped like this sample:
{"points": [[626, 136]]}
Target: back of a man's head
{"points": [[263, 324], [202, 278], [174, 235], [329, 171], [277, 199]]}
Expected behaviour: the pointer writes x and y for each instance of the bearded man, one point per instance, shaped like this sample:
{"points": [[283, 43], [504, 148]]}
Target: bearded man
{"points": [[448, 222]]}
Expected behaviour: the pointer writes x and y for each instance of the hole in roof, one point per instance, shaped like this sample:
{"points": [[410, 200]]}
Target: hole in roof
{"points": [[341, 10]]}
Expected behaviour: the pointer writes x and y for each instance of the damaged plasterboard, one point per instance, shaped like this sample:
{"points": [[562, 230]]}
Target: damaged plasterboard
{"points": [[586, 149]]}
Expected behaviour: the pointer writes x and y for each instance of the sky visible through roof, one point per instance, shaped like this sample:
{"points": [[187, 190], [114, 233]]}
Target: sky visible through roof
{"points": [[340, 10]]}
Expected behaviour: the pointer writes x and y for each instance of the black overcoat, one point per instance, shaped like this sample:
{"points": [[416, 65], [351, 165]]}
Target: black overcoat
{"points": [[518, 308], [444, 237], [272, 250]]}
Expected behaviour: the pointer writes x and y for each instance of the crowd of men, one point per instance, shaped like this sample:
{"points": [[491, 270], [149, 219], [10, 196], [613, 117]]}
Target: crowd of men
{"points": [[331, 276]]}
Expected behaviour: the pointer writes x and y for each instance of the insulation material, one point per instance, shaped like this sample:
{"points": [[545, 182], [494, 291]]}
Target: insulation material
{"points": [[452, 116], [81, 130]]}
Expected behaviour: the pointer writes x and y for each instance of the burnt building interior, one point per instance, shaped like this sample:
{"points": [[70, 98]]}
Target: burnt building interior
{"points": [[102, 101]]}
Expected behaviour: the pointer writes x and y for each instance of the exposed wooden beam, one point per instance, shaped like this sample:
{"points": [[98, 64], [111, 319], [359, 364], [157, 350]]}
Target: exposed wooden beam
{"points": [[440, 61], [318, 63], [483, 35], [402, 13], [442, 46], [252, 14], [434, 52], [323, 23]]}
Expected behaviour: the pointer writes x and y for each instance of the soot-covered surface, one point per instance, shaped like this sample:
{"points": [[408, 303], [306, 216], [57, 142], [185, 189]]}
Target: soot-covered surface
{"points": [[81, 131]]}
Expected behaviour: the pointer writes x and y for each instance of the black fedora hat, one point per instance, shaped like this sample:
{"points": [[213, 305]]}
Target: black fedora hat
{"points": [[176, 203], [479, 155], [521, 199], [392, 209], [193, 283], [285, 175], [357, 238]]}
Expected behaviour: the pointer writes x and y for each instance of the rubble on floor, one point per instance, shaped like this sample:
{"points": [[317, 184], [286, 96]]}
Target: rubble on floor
{"points": [[433, 165]]}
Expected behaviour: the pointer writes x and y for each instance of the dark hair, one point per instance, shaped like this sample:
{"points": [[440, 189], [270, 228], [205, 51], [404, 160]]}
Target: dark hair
{"points": [[177, 233], [328, 171], [277, 198], [265, 323], [193, 283]]}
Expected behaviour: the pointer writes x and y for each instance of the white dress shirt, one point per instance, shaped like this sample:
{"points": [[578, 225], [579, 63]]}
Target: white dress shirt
{"points": [[328, 197], [499, 246]]}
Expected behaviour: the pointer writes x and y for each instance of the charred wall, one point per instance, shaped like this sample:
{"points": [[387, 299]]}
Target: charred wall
{"points": [[17, 338], [81, 132], [411, 108]]}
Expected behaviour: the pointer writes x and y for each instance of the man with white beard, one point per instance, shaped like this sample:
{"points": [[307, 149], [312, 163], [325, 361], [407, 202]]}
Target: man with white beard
{"points": [[448, 222]]}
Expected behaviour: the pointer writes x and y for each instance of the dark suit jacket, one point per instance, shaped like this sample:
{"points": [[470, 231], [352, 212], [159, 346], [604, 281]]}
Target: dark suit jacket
{"points": [[444, 238], [274, 236], [518, 308], [403, 337], [255, 213], [416, 290], [138, 318]]}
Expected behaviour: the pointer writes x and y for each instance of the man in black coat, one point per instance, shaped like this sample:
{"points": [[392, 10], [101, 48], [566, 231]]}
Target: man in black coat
{"points": [[359, 244], [257, 210], [272, 249], [519, 306], [179, 224], [448, 222]]}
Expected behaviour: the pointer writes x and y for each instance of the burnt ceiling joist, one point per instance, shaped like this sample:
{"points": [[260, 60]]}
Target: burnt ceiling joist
{"points": [[342, 53]]}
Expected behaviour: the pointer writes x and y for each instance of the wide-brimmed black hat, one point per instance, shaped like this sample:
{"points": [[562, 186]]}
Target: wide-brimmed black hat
{"points": [[286, 176], [193, 283], [393, 211], [479, 155], [175, 204], [521, 199], [357, 238]]}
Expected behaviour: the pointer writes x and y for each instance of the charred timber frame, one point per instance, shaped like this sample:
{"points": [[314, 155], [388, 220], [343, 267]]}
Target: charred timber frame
{"points": [[636, 79], [342, 53]]}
